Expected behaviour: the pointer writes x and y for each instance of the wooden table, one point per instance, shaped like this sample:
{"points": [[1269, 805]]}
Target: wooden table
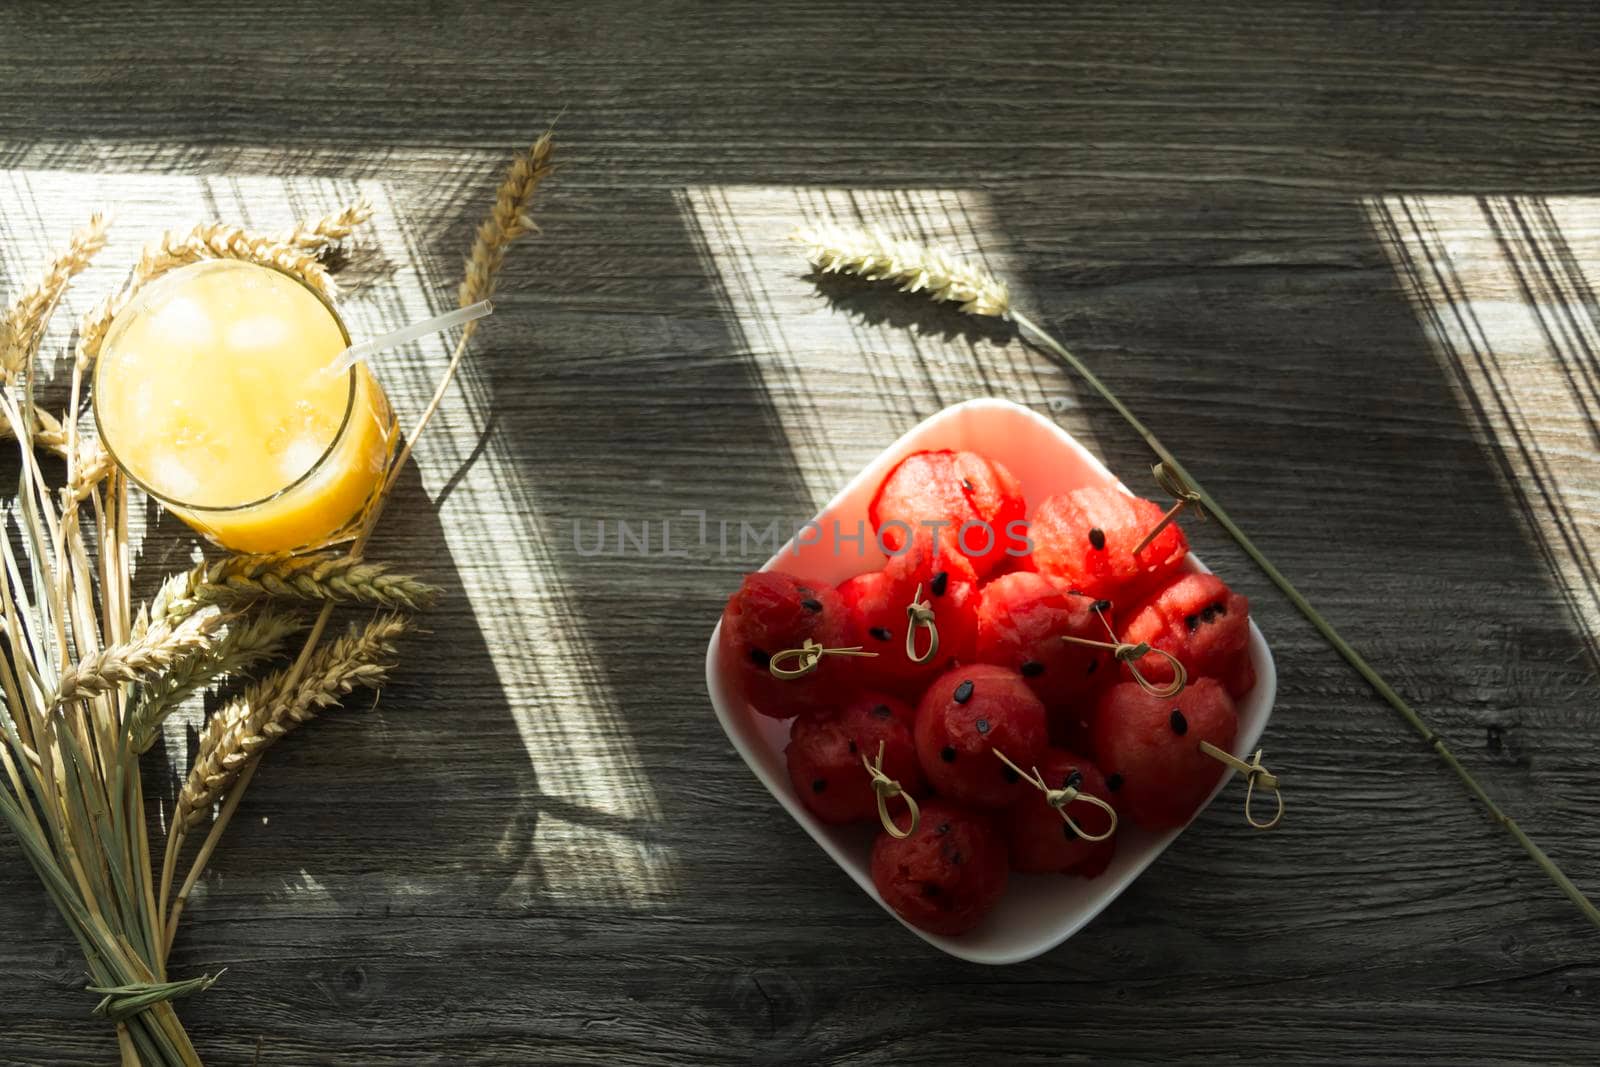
{"points": [[1345, 261]]}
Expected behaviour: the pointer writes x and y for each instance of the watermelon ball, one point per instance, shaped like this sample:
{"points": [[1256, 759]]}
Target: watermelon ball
{"points": [[957, 489], [1040, 839], [1086, 538], [965, 715], [877, 604], [945, 877], [1149, 749], [825, 750], [1198, 619], [1021, 620], [771, 612]]}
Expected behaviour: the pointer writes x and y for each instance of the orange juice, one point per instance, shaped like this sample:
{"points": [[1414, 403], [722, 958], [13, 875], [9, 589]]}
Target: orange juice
{"points": [[213, 394]]}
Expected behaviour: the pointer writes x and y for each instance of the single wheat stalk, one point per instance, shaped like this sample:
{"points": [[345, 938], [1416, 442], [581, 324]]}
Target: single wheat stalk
{"points": [[247, 643], [844, 250], [915, 268], [278, 704], [155, 651], [507, 221], [324, 577], [26, 319], [313, 235]]}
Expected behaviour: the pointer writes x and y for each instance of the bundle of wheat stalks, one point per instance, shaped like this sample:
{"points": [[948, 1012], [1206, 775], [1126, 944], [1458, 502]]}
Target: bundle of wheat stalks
{"points": [[87, 678]]}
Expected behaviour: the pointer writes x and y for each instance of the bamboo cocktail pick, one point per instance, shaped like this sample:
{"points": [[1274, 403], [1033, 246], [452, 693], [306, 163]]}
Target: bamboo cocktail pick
{"points": [[1253, 773], [1060, 798], [887, 789], [920, 616], [915, 268]]}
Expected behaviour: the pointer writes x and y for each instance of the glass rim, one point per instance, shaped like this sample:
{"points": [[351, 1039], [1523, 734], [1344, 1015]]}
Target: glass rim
{"points": [[217, 509]]}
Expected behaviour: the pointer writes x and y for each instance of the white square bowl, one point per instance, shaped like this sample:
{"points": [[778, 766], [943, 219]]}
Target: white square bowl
{"points": [[1038, 912]]}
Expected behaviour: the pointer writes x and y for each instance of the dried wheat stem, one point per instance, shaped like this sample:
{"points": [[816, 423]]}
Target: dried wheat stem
{"points": [[915, 268], [507, 221], [156, 650], [276, 705], [25, 321], [322, 577], [312, 235]]}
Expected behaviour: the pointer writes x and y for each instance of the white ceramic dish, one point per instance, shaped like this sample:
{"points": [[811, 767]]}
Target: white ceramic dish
{"points": [[1038, 912]]}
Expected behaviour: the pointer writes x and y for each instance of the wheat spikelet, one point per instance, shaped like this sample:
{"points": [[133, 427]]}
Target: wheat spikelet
{"points": [[507, 221], [157, 649], [915, 268], [274, 707], [247, 643], [324, 577], [313, 235], [29, 313]]}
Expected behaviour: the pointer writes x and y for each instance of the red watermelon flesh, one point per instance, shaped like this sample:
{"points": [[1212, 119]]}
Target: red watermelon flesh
{"points": [[955, 489], [1198, 619], [946, 876], [964, 716], [1149, 749], [771, 612], [877, 603], [1041, 840], [1021, 620], [825, 750], [1085, 539]]}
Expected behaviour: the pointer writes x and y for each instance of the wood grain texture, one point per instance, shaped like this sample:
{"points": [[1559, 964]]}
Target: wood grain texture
{"points": [[538, 847]]}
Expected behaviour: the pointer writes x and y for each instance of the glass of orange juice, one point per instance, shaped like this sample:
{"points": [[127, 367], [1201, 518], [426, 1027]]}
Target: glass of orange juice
{"points": [[213, 393]]}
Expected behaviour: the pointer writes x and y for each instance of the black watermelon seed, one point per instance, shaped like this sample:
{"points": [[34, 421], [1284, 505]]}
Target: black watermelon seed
{"points": [[983, 726], [1094, 665], [1010, 775], [1114, 782], [1068, 832], [882, 711], [819, 784], [852, 748], [1180, 725], [940, 583], [1032, 669], [1102, 605], [929, 889], [760, 658], [1192, 622], [1097, 537], [1073, 780], [963, 692], [944, 828], [948, 754], [881, 633], [811, 605], [1076, 592], [956, 858], [966, 483]]}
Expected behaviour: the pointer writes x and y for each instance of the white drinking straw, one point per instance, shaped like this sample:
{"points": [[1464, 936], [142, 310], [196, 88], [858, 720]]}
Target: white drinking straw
{"points": [[358, 352]]}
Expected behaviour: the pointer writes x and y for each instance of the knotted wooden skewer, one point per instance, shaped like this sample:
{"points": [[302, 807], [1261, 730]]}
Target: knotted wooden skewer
{"points": [[808, 655], [887, 788], [1130, 654], [1253, 772], [920, 612], [1060, 798], [1182, 493]]}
